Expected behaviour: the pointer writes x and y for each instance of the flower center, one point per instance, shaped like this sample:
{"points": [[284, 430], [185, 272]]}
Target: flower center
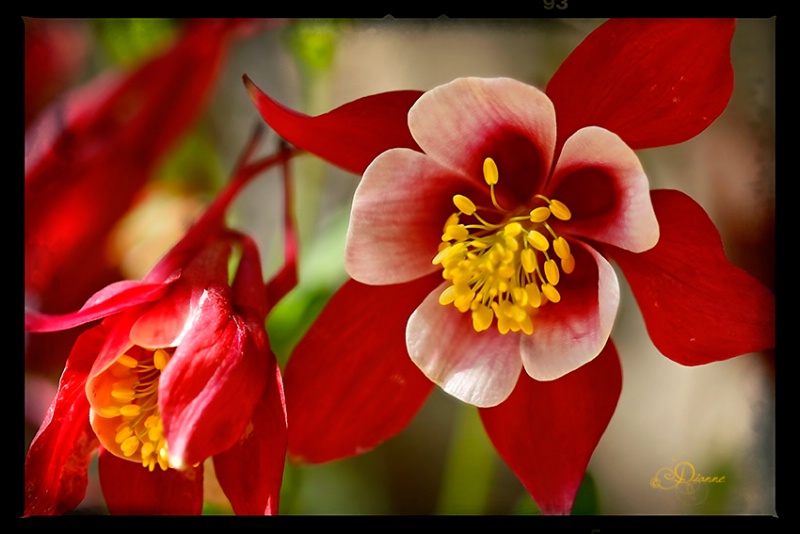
{"points": [[134, 400], [506, 270]]}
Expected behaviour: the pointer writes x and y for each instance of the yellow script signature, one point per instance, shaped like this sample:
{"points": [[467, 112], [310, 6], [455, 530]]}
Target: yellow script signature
{"points": [[690, 486]]}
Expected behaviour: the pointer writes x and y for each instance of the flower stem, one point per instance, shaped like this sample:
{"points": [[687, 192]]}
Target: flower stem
{"points": [[467, 480]]}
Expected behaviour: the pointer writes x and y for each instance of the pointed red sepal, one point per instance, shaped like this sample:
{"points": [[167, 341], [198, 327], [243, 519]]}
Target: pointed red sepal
{"points": [[58, 459], [251, 472], [653, 82], [350, 383], [114, 298], [131, 489], [547, 431], [697, 306], [350, 136]]}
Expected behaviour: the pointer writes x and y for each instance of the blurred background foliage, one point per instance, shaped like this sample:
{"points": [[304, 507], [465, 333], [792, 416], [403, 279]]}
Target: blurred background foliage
{"points": [[719, 417]]}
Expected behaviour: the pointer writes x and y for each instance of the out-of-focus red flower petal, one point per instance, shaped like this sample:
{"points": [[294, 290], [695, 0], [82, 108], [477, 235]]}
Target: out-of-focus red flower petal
{"points": [[251, 472], [653, 82], [480, 368], [83, 166], [112, 299], [602, 181], [131, 489], [547, 431], [350, 136], [398, 215], [697, 306], [350, 384], [573, 331], [58, 459], [216, 375], [461, 123]]}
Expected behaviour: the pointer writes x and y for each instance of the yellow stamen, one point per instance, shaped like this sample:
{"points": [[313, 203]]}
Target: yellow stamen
{"points": [[501, 269]]}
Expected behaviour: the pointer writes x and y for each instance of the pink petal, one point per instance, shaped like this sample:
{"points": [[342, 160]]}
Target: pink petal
{"points": [[547, 431], [208, 391], [698, 307], [654, 82], [131, 489], [350, 384], [479, 368], [461, 123], [602, 182], [398, 215], [350, 136], [58, 459], [251, 472], [574, 331], [112, 299]]}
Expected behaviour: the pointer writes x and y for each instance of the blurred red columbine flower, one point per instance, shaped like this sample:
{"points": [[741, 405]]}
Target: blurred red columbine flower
{"points": [[520, 217], [179, 370]]}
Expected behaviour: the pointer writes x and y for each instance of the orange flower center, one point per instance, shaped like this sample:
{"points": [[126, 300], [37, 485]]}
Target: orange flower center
{"points": [[129, 423], [503, 271]]}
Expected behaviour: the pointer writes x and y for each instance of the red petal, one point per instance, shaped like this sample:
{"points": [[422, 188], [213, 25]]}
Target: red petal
{"points": [[58, 458], [350, 136], [652, 82], [208, 391], [698, 307], [131, 489], [251, 472], [547, 431], [350, 383], [112, 299]]}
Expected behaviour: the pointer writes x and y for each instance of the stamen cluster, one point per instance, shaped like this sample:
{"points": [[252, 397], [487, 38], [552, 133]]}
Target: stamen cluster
{"points": [[504, 270], [134, 397]]}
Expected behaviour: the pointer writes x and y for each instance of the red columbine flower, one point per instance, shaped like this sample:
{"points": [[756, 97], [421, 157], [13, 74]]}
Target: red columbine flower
{"points": [[178, 371], [510, 230], [517, 201]]}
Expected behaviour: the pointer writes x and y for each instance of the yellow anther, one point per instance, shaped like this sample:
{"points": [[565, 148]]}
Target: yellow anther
{"points": [[560, 211], [124, 394], [455, 232], [538, 240], [490, 173], [540, 214], [551, 293], [109, 411], [528, 260], [464, 205], [128, 361], [160, 359], [453, 219], [123, 434], [482, 318], [147, 449], [513, 229], [568, 264], [534, 297], [130, 410], [520, 296], [551, 272], [129, 446], [447, 296], [561, 247]]}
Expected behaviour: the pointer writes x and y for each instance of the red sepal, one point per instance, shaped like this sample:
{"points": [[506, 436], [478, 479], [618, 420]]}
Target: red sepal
{"points": [[350, 136], [350, 383], [547, 431], [58, 458], [697, 306], [653, 82], [251, 472], [131, 489]]}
